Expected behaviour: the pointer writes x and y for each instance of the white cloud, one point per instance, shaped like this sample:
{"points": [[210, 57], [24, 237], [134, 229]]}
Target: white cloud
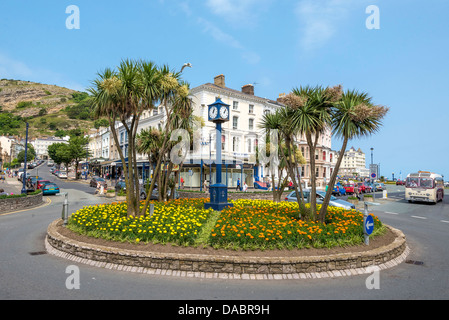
{"points": [[239, 12], [321, 20], [218, 34], [227, 39]]}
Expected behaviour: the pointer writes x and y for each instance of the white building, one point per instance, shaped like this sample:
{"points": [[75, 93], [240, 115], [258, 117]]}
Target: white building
{"points": [[240, 138], [41, 145], [353, 164]]}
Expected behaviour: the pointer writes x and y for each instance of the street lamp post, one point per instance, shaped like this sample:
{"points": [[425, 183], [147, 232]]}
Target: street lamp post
{"points": [[24, 175]]}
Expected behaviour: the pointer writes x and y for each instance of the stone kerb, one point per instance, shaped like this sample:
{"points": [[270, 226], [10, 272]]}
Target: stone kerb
{"points": [[18, 203], [227, 266]]}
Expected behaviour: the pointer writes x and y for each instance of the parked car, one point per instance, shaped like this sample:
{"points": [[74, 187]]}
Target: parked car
{"points": [[40, 183], [350, 188], [338, 190], [379, 186], [361, 187], [155, 194], [50, 188], [31, 181], [368, 187], [446, 184], [121, 185], [62, 175], [95, 180], [27, 175], [400, 182], [334, 202]]}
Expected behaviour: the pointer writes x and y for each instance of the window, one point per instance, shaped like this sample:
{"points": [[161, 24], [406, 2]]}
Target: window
{"points": [[324, 155], [251, 108], [235, 105], [235, 122], [249, 145], [235, 144], [223, 142], [251, 124]]}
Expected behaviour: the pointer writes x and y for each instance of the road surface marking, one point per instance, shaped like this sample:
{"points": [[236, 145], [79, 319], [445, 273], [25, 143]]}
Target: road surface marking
{"points": [[444, 221], [391, 212], [418, 217]]}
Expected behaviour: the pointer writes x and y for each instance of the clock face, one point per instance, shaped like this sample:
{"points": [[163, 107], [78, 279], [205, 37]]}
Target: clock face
{"points": [[224, 112], [213, 112]]}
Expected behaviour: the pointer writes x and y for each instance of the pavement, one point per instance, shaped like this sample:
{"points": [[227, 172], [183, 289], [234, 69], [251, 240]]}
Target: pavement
{"points": [[11, 185]]}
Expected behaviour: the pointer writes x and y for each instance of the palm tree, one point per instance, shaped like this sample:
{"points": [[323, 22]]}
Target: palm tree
{"points": [[122, 95], [309, 117], [279, 123], [353, 116]]}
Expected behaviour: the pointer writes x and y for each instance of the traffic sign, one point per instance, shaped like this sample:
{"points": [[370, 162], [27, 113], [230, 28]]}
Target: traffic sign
{"points": [[373, 175], [368, 224]]}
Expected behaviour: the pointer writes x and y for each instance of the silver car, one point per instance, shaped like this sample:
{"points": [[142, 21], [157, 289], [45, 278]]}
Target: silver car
{"points": [[334, 202]]}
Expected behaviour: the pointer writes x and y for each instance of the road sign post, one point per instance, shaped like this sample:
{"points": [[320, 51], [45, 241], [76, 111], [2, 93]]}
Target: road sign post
{"points": [[368, 222]]}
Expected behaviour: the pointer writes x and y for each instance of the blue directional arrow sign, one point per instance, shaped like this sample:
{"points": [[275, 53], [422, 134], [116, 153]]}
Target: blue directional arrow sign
{"points": [[368, 225]]}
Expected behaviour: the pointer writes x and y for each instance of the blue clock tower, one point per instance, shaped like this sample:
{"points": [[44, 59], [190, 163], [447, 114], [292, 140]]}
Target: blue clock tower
{"points": [[218, 113]]}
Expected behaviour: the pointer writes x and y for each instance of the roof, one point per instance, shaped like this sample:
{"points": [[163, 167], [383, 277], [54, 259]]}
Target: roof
{"points": [[237, 92]]}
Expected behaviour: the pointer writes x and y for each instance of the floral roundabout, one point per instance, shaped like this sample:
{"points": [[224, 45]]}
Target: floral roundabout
{"points": [[253, 238]]}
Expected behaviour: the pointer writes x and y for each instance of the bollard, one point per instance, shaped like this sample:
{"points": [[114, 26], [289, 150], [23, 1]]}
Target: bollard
{"points": [[65, 208], [385, 194]]}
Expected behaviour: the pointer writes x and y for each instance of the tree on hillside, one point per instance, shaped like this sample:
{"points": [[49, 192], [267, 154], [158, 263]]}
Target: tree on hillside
{"points": [[31, 154], [76, 150]]}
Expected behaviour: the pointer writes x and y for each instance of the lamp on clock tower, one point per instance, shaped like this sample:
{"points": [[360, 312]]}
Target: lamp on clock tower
{"points": [[218, 113]]}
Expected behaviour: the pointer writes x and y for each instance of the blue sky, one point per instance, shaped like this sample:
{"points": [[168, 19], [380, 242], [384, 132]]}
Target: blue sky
{"points": [[278, 45]]}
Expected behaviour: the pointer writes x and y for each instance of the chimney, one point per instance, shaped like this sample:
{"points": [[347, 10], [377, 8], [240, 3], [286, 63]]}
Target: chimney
{"points": [[281, 95], [220, 81], [248, 89]]}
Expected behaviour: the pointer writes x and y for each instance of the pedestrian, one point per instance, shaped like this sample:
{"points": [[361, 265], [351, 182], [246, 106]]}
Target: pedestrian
{"points": [[205, 186], [3, 193], [238, 184], [245, 186], [3, 177], [182, 182], [356, 191]]}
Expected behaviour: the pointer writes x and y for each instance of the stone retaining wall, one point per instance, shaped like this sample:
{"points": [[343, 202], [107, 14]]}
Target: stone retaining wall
{"points": [[12, 204], [194, 263]]}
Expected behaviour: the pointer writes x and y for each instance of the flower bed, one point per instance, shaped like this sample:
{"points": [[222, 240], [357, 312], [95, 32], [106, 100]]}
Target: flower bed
{"points": [[250, 224], [178, 221], [262, 224]]}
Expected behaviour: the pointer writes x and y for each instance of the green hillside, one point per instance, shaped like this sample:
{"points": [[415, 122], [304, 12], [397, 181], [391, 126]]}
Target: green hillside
{"points": [[50, 110]]}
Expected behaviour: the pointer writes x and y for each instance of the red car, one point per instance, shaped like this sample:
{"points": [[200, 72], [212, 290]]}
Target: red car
{"points": [[400, 182], [40, 183], [362, 187], [349, 188], [368, 187]]}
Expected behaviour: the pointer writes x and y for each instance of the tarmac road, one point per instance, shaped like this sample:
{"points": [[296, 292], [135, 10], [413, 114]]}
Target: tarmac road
{"points": [[28, 272]]}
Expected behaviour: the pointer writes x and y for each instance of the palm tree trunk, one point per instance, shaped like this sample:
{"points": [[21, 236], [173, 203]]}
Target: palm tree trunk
{"points": [[324, 206], [312, 145]]}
